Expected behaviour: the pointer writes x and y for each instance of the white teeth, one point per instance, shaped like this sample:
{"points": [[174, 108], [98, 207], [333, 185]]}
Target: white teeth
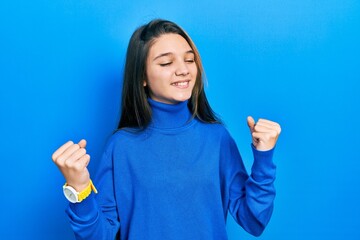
{"points": [[180, 83]]}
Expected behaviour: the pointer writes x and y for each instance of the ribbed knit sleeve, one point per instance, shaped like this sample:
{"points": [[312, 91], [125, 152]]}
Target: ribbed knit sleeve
{"points": [[251, 198], [96, 217]]}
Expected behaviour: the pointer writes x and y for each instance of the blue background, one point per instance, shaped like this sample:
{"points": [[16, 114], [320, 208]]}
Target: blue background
{"points": [[295, 62]]}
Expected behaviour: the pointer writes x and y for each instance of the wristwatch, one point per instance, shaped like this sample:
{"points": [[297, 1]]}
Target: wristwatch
{"points": [[75, 197]]}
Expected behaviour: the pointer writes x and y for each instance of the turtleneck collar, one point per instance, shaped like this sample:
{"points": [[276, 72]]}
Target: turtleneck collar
{"points": [[168, 116]]}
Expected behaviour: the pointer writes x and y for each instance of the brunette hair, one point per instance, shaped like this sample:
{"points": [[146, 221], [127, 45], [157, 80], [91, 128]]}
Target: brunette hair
{"points": [[135, 109]]}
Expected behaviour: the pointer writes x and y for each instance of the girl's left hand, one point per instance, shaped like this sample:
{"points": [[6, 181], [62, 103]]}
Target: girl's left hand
{"points": [[264, 133]]}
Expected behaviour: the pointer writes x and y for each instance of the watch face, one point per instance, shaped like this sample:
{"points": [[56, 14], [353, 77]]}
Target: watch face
{"points": [[70, 195]]}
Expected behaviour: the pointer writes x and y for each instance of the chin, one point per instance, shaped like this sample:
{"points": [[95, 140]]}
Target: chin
{"points": [[183, 98]]}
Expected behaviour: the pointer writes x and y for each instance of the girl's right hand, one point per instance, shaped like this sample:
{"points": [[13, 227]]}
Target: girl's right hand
{"points": [[72, 160]]}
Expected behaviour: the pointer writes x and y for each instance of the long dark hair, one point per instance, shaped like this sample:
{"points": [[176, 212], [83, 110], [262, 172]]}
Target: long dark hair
{"points": [[135, 109]]}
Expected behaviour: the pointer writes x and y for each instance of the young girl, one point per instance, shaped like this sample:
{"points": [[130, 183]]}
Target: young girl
{"points": [[172, 170]]}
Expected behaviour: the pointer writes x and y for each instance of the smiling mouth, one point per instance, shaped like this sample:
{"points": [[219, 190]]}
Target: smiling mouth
{"points": [[181, 83]]}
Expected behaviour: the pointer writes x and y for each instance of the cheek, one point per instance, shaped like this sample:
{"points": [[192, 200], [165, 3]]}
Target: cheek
{"points": [[162, 75], [152, 76], [158, 77]]}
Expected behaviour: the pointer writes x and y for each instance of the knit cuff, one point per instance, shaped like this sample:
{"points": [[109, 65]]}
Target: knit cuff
{"points": [[86, 210], [263, 166]]}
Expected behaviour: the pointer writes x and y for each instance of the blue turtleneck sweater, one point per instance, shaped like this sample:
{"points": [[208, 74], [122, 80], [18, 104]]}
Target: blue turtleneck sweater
{"points": [[175, 180]]}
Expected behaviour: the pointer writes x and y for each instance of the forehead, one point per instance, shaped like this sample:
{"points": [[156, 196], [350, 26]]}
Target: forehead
{"points": [[170, 42]]}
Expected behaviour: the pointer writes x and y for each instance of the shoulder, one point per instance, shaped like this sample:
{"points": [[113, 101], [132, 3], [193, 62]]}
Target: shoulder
{"points": [[215, 130], [213, 127], [123, 138]]}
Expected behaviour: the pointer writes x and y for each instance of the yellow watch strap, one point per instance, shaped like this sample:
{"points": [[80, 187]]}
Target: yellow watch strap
{"points": [[87, 191]]}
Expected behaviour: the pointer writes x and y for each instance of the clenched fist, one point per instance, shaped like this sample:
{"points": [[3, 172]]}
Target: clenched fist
{"points": [[72, 160], [264, 133]]}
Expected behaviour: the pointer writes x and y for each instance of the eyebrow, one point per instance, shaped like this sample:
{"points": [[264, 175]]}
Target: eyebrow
{"points": [[170, 53]]}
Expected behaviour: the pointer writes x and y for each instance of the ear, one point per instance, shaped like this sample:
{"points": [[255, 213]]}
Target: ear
{"points": [[144, 83]]}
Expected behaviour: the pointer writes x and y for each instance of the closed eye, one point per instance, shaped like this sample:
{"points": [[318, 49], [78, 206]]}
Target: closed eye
{"points": [[165, 64]]}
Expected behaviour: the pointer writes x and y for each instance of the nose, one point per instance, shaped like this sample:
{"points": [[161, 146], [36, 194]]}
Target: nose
{"points": [[182, 69]]}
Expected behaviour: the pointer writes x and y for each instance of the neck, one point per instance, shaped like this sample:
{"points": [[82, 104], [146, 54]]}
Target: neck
{"points": [[169, 115]]}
